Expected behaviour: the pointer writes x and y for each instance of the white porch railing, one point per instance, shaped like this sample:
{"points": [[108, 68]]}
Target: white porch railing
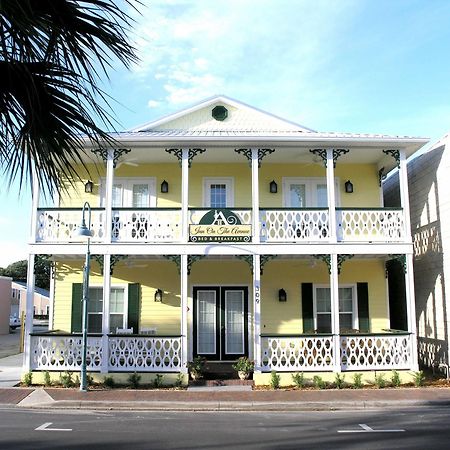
{"points": [[297, 353], [125, 353], [293, 225], [64, 352], [146, 225], [60, 224], [145, 354], [376, 352], [370, 225]]}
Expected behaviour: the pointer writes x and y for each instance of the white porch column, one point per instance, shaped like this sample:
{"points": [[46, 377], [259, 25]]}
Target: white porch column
{"points": [[255, 197], [185, 195], [411, 310], [108, 195], [106, 311], [51, 309], [29, 313], [331, 195], [34, 208], [334, 298], [184, 313], [257, 311], [404, 194]]}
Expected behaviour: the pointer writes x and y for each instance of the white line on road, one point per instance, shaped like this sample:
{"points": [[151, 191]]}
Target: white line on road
{"points": [[45, 427], [367, 429]]}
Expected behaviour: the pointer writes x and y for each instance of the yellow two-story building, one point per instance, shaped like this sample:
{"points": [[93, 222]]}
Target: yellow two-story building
{"points": [[223, 231]]}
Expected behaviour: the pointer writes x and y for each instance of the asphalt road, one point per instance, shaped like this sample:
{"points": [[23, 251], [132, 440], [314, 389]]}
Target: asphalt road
{"points": [[417, 428]]}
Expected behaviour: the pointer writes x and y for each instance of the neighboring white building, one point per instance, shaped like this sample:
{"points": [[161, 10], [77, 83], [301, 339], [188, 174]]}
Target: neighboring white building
{"points": [[41, 301], [5, 292], [429, 187]]}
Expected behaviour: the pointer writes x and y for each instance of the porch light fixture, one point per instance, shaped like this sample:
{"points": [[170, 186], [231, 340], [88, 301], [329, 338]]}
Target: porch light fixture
{"points": [[85, 232], [88, 187], [164, 187], [348, 187], [273, 187], [158, 295], [282, 296]]}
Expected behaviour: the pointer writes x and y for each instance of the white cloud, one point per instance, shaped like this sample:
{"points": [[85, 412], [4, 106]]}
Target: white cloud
{"points": [[153, 104]]}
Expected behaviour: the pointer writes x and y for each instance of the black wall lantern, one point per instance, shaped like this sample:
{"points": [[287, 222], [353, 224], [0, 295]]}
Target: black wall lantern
{"points": [[349, 187], [273, 187], [158, 295], [88, 187], [164, 187], [282, 296]]}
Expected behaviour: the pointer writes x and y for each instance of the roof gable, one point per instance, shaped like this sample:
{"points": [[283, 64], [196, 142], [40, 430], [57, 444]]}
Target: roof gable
{"points": [[239, 117]]}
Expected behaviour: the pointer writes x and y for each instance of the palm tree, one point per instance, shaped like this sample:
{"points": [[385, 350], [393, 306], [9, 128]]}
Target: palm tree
{"points": [[52, 54]]}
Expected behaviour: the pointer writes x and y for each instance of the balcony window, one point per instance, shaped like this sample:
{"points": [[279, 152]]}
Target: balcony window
{"points": [[131, 193], [218, 192], [306, 192]]}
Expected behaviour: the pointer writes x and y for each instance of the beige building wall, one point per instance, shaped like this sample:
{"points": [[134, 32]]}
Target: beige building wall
{"points": [[5, 304]]}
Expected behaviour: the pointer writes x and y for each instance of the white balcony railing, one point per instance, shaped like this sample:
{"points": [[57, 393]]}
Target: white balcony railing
{"points": [[370, 225], [163, 225]]}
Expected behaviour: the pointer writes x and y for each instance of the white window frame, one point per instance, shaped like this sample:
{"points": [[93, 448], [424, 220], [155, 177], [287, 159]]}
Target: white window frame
{"points": [[355, 320], [310, 189], [227, 181], [125, 302], [127, 190]]}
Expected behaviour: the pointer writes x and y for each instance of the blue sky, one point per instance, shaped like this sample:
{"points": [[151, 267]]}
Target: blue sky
{"points": [[336, 65]]}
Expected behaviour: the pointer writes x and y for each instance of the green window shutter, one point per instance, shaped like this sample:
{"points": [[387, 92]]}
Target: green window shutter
{"points": [[307, 307], [77, 307], [133, 306], [363, 306]]}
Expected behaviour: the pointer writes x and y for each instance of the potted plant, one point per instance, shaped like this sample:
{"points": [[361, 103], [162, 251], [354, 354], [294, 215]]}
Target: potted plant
{"points": [[196, 367], [244, 367]]}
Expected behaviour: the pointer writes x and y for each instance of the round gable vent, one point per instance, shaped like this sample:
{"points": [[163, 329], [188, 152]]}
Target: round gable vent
{"points": [[219, 113]]}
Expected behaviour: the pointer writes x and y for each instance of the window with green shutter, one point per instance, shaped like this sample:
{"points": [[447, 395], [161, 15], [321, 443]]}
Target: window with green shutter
{"points": [[77, 307], [134, 296]]}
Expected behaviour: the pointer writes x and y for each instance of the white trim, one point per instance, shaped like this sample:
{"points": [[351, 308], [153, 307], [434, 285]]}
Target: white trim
{"points": [[355, 319], [227, 181], [310, 192], [127, 190]]}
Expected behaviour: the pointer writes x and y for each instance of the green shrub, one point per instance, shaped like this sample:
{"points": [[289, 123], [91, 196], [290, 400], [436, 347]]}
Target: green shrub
{"points": [[318, 382], [196, 367], [419, 378], [109, 382], [134, 379], [158, 381], [28, 378], [179, 381], [66, 379], [357, 381], [274, 380], [299, 380], [380, 381], [339, 381], [395, 379], [47, 379]]}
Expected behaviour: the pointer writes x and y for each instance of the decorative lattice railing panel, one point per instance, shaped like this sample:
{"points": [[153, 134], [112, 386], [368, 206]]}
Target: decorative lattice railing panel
{"points": [[383, 225], [60, 224], [146, 225], [378, 352], [144, 354], [297, 353], [294, 225], [64, 352]]}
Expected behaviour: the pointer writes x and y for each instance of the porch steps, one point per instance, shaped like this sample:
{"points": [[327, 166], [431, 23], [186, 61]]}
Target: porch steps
{"points": [[220, 374], [221, 383]]}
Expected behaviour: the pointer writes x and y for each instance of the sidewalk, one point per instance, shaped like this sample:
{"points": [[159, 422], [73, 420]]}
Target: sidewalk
{"points": [[172, 400]]}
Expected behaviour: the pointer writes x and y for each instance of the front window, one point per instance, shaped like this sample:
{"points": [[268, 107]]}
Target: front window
{"points": [[218, 192], [347, 309], [117, 317]]}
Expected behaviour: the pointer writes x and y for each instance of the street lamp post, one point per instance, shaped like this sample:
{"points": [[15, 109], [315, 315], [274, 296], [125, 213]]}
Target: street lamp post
{"points": [[85, 231]]}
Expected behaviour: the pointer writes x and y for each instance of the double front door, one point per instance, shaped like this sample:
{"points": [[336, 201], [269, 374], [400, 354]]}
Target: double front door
{"points": [[220, 322]]}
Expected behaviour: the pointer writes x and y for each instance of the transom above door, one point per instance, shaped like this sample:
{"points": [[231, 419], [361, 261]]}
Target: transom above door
{"points": [[220, 322]]}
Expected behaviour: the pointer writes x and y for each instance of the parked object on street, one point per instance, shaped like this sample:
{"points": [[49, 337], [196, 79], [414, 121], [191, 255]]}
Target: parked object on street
{"points": [[14, 322]]}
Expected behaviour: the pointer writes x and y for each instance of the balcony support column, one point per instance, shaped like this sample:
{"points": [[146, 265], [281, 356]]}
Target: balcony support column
{"points": [[257, 311], [185, 195], [34, 208], [331, 196], [108, 195], [29, 313], [255, 197], [334, 299], [184, 312], [411, 310], [106, 312]]}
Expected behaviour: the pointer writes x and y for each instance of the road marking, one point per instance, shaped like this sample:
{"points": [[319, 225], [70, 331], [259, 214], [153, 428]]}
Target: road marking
{"points": [[45, 427], [367, 429]]}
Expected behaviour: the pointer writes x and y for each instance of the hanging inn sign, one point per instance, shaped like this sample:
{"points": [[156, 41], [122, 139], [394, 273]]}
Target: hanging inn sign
{"points": [[220, 225]]}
